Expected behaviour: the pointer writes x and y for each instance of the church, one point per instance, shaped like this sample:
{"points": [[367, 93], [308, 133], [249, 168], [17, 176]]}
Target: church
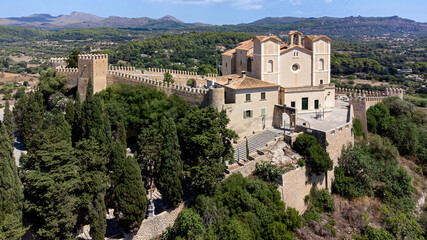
{"points": [[295, 75]]}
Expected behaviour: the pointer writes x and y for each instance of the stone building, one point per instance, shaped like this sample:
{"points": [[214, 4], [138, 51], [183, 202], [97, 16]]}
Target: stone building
{"points": [[300, 67]]}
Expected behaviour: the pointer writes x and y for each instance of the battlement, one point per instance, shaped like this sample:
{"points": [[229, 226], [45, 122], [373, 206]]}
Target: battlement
{"points": [[365, 93], [92, 56], [171, 71], [157, 83], [58, 62], [121, 68], [66, 70]]}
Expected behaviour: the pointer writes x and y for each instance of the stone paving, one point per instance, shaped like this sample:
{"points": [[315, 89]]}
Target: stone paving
{"points": [[255, 142]]}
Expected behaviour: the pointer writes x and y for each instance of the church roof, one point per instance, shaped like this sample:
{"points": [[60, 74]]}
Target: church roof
{"points": [[293, 32], [265, 38], [229, 52], [246, 45], [295, 46], [239, 82], [317, 37]]}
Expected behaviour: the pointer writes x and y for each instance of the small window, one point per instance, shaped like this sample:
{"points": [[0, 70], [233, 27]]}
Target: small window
{"points": [[270, 66], [247, 114], [316, 104], [321, 64], [248, 97], [241, 62], [226, 65], [321, 81], [263, 96], [263, 112], [293, 104], [296, 54]]}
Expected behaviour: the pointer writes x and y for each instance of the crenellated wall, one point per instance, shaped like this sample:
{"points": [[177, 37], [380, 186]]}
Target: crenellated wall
{"points": [[398, 92], [194, 96], [58, 62], [72, 73]]}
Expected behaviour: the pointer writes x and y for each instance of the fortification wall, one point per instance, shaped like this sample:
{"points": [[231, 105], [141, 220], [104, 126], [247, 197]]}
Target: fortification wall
{"points": [[297, 183], [72, 73], [179, 76], [398, 92], [194, 96], [58, 62], [360, 106]]}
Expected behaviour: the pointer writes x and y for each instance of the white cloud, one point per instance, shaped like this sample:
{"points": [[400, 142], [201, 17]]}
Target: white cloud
{"points": [[295, 2], [240, 4]]}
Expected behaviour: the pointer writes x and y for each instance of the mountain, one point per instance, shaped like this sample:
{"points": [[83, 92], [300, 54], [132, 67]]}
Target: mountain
{"points": [[78, 20], [340, 28]]}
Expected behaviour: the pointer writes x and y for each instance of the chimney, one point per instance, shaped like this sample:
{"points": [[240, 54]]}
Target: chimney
{"points": [[243, 74], [229, 80]]}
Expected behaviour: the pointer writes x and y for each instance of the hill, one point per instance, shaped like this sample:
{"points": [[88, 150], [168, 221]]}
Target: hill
{"points": [[78, 20]]}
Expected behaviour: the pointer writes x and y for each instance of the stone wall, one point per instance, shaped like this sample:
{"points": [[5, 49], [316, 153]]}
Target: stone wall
{"points": [[72, 73], [297, 183], [360, 106], [153, 227], [179, 77], [194, 96]]}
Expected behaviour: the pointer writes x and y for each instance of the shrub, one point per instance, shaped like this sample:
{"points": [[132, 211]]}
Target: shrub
{"points": [[267, 172], [357, 128]]}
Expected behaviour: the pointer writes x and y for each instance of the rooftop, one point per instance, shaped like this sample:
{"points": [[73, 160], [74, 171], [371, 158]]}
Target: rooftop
{"points": [[239, 82], [333, 119]]}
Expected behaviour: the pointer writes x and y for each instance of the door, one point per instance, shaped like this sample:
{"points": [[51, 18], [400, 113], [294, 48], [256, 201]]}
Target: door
{"points": [[316, 104], [304, 104]]}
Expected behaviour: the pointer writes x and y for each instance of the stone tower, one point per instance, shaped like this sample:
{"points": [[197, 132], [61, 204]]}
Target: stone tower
{"points": [[95, 67]]}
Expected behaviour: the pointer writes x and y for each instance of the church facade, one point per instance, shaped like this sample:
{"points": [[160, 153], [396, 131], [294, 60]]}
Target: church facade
{"points": [[301, 68]]}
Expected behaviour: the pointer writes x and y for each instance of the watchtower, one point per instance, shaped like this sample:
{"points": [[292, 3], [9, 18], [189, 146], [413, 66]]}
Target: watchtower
{"points": [[95, 67]]}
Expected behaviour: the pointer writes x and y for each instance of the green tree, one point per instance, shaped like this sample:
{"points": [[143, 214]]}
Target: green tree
{"points": [[357, 128], [11, 195], [381, 114], [170, 169], [92, 185], [206, 144], [130, 199], [167, 77], [50, 83], [188, 225], [50, 183], [73, 58]]}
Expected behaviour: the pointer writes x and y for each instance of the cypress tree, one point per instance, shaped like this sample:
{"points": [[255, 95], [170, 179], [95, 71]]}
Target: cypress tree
{"points": [[130, 199], [8, 120], [92, 186], [50, 184], [11, 195], [169, 179]]}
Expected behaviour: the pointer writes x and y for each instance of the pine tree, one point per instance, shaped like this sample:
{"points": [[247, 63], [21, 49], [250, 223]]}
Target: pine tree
{"points": [[168, 180], [32, 121]]}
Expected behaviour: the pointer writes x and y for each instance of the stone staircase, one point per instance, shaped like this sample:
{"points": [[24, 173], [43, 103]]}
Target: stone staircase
{"points": [[255, 142]]}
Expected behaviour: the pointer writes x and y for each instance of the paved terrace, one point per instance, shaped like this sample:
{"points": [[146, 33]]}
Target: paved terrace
{"points": [[337, 117]]}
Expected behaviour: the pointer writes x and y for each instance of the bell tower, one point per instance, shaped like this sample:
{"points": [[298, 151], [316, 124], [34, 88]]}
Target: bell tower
{"points": [[295, 38]]}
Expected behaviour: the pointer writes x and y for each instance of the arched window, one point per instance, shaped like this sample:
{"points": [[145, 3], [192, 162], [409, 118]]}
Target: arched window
{"points": [[296, 54], [270, 66], [295, 39], [321, 81], [321, 64]]}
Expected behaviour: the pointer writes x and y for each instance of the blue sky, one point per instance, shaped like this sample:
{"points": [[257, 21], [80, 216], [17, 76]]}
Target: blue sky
{"points": [[220, 11]]}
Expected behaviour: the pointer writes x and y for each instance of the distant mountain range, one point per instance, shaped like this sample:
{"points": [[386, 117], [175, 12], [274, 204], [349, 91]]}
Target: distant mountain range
{"points": [[347, 28], [78, 20]]}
